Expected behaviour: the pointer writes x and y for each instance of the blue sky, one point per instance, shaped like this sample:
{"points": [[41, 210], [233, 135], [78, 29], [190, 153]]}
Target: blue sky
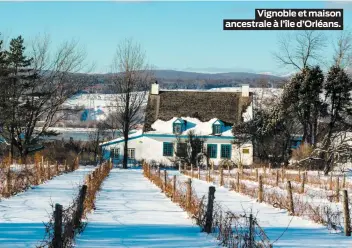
{"points": [[175, 35]]}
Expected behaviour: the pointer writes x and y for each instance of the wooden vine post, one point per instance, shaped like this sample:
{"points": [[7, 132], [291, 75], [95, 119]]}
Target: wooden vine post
{"points": [[165, 180], [337, 189], [209, 213], [303, 182], [260, 190], [8, 182], [290, 198], [57, 168], [57, 240], [346, 213], [48, 168], [238, 184], [299, 175], [221, 177], [189, 193], [174, 189], [208, 175], [277, 178]]}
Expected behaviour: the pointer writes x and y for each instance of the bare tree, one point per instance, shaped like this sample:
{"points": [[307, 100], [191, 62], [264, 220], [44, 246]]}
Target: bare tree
{"points": [[131, 80], [96, 137], [52, 79], [343, 49], [301, 50], [111, 122]]}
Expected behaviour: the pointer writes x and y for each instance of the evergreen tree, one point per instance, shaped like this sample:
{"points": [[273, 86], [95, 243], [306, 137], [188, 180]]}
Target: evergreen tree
{"points": [[338, 88], [13, 87], [302, 98], [17, 60], [3, 59]]}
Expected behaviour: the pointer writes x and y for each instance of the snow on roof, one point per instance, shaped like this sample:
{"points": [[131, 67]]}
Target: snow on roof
{"points": [[117, 140], [203, 105], [199, 127]]}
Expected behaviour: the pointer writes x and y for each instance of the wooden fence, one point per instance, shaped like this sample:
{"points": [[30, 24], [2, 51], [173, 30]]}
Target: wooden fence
{"points": [[283, 189], [18, 178], [230, 229], [67, 222]]}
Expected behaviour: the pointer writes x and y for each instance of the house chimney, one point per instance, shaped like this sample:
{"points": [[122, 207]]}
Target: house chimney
{"points": [[245, 90], [155, 88]]}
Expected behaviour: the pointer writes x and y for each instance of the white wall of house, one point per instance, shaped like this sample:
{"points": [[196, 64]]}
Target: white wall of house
{"points": [[151, 149]]}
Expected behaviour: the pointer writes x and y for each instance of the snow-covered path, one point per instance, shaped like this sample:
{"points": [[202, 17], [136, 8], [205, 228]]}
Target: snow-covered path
{"points": [[22, 216], [300, 233], [131, 212]]}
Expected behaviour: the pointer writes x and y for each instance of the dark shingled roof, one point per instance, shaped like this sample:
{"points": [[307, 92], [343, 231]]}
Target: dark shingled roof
{"points": [[204, 105]]}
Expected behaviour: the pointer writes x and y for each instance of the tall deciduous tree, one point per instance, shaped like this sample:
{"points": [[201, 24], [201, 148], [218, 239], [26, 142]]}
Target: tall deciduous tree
{"points": [[301, 50], [131, 80], [343, 50]]}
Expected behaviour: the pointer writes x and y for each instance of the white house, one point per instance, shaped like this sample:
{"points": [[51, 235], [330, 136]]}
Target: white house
{"points": [[170, 115]]}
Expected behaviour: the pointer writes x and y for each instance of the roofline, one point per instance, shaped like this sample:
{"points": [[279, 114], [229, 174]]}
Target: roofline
{"points": [[186, 136], [168, 136], [119, 141], [202, 91]]}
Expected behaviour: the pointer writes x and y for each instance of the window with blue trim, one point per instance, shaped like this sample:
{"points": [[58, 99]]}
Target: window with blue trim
{"points": [[212, 150], [177, 129], [225, 151], [178, 126], [115, 152], [218, 127], [168, 149]]}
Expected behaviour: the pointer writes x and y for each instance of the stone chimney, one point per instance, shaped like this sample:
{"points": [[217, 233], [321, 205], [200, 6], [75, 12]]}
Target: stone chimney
{"points": [[245, 90], [155, 88]]}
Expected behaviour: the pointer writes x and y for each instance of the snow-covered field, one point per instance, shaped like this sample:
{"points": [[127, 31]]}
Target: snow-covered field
{"points": [[300, 232], [105, 102], [22, 216], [132, 212]]}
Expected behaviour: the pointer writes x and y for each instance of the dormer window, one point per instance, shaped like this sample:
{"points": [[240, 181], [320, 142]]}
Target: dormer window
{"points": [[218, 127], [178, 126]]}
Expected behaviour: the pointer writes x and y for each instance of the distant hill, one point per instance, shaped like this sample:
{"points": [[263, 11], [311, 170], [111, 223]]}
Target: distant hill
{"points": [[171, 79], [171, 74]]}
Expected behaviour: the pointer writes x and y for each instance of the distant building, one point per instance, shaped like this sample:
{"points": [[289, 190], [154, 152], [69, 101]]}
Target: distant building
{"points": [[171, 114], [92, 114]]}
